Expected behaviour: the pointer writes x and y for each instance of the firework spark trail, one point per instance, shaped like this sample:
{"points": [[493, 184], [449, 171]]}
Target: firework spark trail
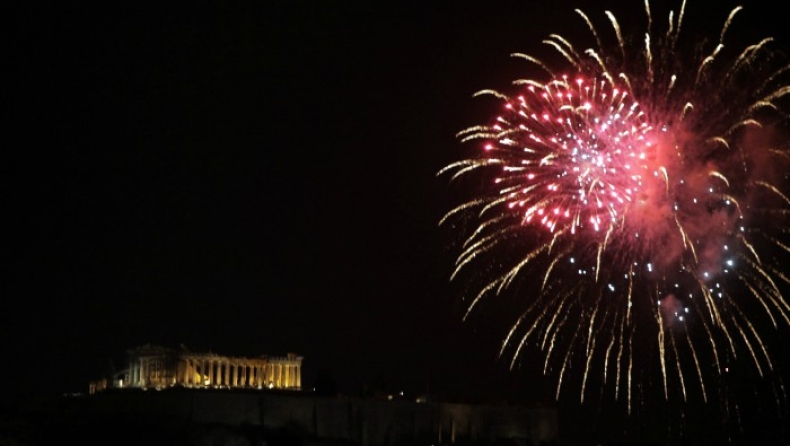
{"points": [[662, 351], [630, 366], [638, 198], [696, 364], [608, 352], [619, 359], [677, 364]]}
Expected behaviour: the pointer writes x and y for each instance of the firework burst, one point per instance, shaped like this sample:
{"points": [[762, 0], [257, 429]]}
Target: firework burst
{"points": [[635, 203]]}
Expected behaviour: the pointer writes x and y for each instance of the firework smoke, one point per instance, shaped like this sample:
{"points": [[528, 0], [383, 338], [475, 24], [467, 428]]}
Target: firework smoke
{"points": [[635, 202]]}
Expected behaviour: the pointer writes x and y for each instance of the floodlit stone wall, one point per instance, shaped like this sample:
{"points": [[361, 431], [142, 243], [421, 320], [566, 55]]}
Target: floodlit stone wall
{"points": [[367, 422]]}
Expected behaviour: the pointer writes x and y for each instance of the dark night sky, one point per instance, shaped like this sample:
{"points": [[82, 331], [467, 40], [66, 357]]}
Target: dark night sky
{"points": [[259, 178]]}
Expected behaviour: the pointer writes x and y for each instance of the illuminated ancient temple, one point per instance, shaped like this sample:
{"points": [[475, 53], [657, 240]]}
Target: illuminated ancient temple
{"points": [[155, 367]]}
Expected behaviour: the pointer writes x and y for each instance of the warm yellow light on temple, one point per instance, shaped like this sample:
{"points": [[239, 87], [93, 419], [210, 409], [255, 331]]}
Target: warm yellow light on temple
{"points": [[152, 366]]}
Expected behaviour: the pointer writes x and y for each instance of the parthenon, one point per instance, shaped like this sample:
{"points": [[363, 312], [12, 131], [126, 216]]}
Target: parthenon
{"points": [[155, 367]]}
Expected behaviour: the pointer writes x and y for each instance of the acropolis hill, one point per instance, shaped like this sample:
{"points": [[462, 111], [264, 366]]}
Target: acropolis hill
{"points": [[263, 398]]}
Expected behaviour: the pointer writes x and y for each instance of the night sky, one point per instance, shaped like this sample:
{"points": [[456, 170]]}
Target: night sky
{"points": [[260, 178]]}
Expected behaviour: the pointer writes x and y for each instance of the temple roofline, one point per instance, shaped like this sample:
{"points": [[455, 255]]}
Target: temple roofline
{"points": [[155, 366]]}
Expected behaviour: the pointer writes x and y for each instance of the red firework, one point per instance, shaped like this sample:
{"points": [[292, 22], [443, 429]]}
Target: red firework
{"points": [[639, 199]]}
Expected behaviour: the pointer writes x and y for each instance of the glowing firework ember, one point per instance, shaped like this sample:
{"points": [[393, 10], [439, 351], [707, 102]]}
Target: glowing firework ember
{"points": [[636, 202]]}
